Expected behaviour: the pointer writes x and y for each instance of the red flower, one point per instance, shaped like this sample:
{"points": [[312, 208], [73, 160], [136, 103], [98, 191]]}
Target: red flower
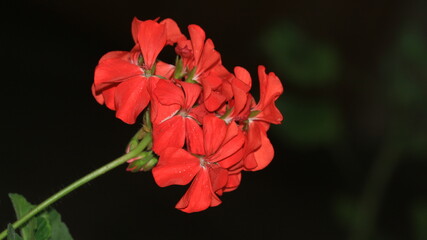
{"points": [[205, 125], [217, 87], [222, 149], [270, 90], [259, 151], [122, 78], [254, 118], [122, 83], [172, 116]]}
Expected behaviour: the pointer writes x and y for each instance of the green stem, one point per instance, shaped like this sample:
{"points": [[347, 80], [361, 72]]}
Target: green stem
{"points": [[98, 172]]}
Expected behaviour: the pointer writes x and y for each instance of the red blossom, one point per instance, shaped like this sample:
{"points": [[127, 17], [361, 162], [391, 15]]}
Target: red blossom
{"points": [[172, 116], [222, 146], [205, 124]]}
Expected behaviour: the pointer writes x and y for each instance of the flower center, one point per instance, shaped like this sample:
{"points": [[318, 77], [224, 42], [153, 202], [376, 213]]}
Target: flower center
{"points": [[183, 113], [203, 162]]}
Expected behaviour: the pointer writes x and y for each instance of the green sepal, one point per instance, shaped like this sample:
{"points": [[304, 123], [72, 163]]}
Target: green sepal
{"points": [[153, 69], [254, 114], [140, 60], [177, 74], [227, 113], [190, 76]]}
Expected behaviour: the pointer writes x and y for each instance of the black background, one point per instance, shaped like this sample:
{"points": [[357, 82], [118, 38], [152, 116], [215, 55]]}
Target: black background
{"points": [[54, 132]]}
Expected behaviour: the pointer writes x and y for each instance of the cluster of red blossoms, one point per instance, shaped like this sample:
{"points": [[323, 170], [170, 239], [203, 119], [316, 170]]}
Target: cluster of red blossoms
{"points": [[206, 126]]}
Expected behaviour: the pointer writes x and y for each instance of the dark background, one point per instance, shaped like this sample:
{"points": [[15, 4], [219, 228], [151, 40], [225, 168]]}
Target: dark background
{"points": [[350, 155]]}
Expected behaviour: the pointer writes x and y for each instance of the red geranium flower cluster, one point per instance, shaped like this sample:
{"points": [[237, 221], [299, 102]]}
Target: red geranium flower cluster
{"points": [[206, 126]]}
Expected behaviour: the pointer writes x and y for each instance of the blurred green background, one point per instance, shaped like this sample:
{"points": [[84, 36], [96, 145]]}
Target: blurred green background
{"points": [[351, 154]]}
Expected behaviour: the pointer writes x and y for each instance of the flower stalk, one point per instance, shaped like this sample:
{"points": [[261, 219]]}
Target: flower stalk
{"points": [[89, 177]]}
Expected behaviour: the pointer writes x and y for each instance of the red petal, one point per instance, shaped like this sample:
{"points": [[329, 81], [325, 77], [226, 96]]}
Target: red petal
{"points": [[164, 69], [114, 70], [208, 60], [232, 160], [173, 34], [264, 155], [160, 112], [192, 93], [240, 91], [175, 167], [198, 112], [200, 195], [222, 72], [123, 55], [170, 133], [270, 114], [232, 143], [232, 131], [194, 136], [233, 182], [214, 130], [214, 101], [131, 97], [253, 138], [198, 37], [109, 98], [135, 28], [243, 75], [218, 176], [270, 89], [152, 39], [250, 162], [168, 93], [227, 90], [98, 97], [212, 80]]}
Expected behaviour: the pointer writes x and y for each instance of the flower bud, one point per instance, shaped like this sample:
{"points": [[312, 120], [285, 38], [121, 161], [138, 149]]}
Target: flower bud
{"points": [[132, 145], [137, 163], [150, 164]]}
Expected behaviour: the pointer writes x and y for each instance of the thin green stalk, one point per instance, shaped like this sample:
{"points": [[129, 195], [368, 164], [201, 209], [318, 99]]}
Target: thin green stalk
{"points": [[98, 172]]}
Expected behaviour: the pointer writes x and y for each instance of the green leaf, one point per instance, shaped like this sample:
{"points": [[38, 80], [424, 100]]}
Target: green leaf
{"points": [[11, 234], [20, 204], [43, 229], [22, 207], [47, 225], [59, 229]]}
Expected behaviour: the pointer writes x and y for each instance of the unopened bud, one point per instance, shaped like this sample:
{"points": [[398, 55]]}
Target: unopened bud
{"points": [[150, 164], [132, 145], [137, 163]]}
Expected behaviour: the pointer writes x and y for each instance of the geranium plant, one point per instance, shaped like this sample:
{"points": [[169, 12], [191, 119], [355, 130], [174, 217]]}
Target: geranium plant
{"points": [[200, 124]]}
